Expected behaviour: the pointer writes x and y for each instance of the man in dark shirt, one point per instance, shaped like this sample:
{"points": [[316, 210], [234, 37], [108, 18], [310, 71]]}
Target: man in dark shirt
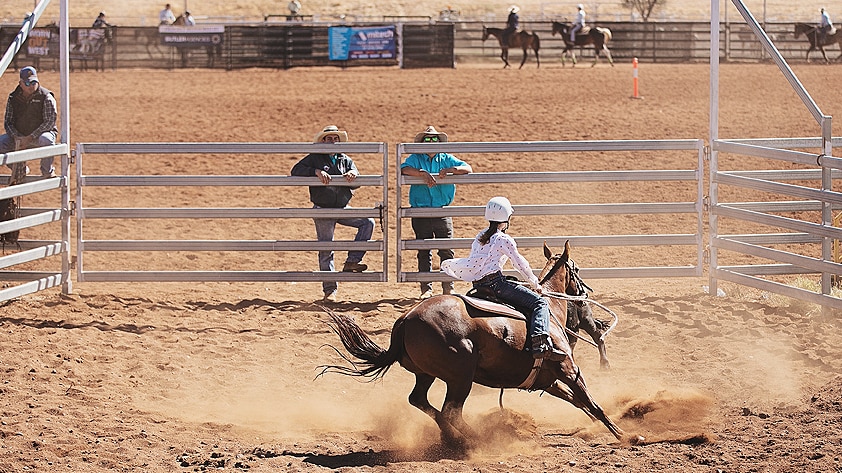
{"points": [[30, 120], [324, 166]]}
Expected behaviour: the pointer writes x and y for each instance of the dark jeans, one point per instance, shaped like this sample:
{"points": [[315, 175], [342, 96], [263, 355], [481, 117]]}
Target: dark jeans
{"points": [[432, 227], [524, 300]]}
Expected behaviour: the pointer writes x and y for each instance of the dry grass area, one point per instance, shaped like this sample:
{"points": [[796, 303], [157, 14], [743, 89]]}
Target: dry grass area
{"points": [[137, 13]]}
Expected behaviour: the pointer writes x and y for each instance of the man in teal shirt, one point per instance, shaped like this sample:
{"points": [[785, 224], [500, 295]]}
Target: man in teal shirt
{"points": [[432, 168]]}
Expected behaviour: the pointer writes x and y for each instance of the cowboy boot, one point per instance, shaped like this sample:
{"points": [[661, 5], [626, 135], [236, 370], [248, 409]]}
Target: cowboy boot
{"points": [[542, 348]]}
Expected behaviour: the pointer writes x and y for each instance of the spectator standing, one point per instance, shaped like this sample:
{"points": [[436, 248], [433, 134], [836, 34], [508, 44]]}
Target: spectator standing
{"points": [[433, 168], [30, 119], [166, 16], [578, 23], [188, 19], [324, 166], [294, 7]]}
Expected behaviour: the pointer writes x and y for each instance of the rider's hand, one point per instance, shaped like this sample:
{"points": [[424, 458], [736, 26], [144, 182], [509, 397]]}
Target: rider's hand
{"points": [[539, 290]]}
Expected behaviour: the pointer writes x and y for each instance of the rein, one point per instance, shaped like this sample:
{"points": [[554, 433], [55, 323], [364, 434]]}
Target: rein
{"points": [[561, 295]]}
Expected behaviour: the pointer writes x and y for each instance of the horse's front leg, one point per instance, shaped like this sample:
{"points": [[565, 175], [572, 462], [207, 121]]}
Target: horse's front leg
{"points": [[505, 57]]}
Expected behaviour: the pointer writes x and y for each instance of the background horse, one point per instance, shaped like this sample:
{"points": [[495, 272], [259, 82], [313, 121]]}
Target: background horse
{"points": [[598, 36], [520, 39], [811, 32], [445, 338], [580, 315]]}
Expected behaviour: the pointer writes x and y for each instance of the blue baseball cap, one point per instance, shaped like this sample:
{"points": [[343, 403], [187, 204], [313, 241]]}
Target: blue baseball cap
{"points": [[28, 75]]}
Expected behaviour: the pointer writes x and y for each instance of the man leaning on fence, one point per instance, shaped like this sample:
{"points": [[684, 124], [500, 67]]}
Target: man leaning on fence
{"points": [[433, 168], [324, 166], [30, 120]]}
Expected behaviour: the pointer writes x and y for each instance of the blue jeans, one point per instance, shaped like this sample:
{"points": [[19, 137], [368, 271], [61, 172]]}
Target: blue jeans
{"points": [[324, 232], [48, 138], [524, 300], [432, 227]]}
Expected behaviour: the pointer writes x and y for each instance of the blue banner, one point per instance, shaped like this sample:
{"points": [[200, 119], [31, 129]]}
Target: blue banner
{"points": [[375, 42]]}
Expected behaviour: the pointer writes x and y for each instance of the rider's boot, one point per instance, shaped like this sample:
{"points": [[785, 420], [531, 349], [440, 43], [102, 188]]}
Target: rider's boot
{"points": [[542, 348]]}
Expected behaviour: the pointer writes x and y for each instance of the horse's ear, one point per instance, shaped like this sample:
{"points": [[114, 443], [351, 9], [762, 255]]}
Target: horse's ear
{"points": [[566, 253], [548, 253]]}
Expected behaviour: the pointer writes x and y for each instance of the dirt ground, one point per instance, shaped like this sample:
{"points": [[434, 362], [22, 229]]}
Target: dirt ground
{"points": [[194, 377]]}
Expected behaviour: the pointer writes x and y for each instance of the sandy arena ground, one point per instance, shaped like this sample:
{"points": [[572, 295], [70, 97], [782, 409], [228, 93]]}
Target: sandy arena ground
{"points": [[181, 377]]}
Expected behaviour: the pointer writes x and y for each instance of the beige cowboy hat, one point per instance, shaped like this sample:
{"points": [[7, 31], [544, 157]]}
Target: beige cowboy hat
{"points": [[514, 9], [331, 130], [431, 130]]}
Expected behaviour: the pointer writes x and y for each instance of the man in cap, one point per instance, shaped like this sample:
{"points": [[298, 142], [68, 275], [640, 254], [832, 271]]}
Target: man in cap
{"points": [[30, 120], [433, 168], [324, 166], [578, 23]]}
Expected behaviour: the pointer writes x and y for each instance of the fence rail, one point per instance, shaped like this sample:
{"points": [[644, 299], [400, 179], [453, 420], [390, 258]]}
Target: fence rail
{"points": [[26, 266], [177, 242], [533, 180], [424, 44]]}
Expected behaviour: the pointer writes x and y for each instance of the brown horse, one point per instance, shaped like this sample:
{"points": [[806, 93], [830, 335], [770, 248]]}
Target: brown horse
{"points": [[445, 338], [580, 316], [598, 36], [811, 32], [520, 39]]}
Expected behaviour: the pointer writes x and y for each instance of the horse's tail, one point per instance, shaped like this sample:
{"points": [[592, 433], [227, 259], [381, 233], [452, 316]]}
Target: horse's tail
{"points": [[606, 33], [375, 361], [536, 42]]}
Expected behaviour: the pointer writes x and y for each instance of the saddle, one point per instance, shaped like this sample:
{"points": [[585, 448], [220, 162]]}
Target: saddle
{"points": [[485, 300]]}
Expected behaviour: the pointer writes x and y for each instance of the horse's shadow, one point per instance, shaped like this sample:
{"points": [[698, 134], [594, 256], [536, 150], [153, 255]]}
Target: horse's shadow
{"points": [[432, 453]]}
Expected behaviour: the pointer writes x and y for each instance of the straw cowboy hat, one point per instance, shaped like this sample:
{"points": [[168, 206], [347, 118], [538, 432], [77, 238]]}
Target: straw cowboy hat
{"points": [[514, 9], [331, 130], [431, 130]]}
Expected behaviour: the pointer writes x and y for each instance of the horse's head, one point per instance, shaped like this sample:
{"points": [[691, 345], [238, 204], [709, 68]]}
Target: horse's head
{"points": [[484, 33], [559, 28], [557, 273]]}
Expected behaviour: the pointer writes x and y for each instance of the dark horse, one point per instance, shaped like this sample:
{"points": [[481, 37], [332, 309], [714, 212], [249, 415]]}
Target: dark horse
{"points": [[811, 32], [445, 338], [520, 39], [213, 50], [580, 316], [598, 36]]}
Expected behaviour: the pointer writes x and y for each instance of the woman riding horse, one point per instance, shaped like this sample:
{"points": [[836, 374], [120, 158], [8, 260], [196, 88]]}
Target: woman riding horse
{"points": [[445, 338]]}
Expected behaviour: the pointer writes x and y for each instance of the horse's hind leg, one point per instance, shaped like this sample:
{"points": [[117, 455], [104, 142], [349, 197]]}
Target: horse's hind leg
{"points": [[608, 55], [418, 397], [523, 61]]}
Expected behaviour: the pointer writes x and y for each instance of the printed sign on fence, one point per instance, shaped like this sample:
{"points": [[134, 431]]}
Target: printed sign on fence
{"points": [[38, 43], [191, 35], [375, 42]]}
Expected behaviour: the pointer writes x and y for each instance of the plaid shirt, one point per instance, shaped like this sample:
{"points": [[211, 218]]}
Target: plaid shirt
{"points": [[37, 113]]}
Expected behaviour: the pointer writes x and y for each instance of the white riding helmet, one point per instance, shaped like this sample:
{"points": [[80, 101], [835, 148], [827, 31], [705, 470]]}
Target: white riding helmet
{"points": [[498, 209]]}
